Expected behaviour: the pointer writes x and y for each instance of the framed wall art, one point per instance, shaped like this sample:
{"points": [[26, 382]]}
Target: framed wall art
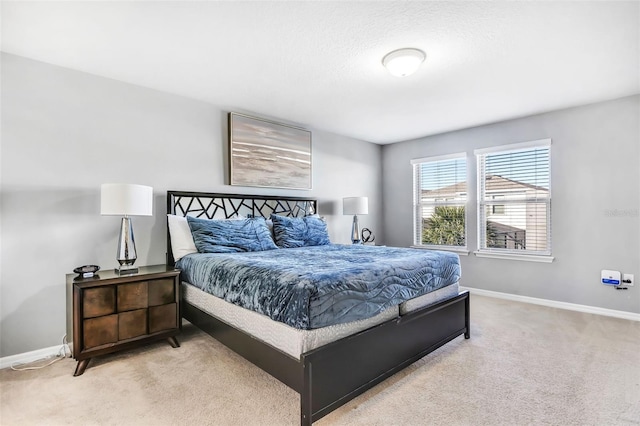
{"points": [[268, 154]]}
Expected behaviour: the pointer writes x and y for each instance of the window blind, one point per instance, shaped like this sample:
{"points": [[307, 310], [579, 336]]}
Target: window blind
{"points": [[514, 199], [440, 196]]}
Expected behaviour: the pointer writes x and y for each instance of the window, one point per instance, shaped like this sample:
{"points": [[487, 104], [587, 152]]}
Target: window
{"points": [[514, 199], [440, 196], [497, 208]]}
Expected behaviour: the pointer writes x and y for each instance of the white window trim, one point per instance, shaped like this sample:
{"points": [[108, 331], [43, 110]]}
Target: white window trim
{"points": [[511, 256], [488, 253], [439, 158], [513, 147], [464, 250]]}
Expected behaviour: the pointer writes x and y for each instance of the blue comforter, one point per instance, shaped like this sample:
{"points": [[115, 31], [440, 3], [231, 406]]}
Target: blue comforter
{"points": [[313, 287]]}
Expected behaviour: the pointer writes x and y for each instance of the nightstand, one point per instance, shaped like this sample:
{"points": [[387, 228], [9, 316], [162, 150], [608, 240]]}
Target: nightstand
{"points": [[110, 312]]}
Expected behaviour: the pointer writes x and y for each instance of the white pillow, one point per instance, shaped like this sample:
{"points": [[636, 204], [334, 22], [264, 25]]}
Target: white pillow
{"points": [[181, 239], [270, 226]]}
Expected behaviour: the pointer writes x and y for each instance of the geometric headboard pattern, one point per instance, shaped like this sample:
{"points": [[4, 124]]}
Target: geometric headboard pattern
{"points": [[226, 206]]}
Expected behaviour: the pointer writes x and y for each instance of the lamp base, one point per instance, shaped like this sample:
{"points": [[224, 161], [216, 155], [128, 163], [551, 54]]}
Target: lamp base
{"points": [[126, 255], [126, 270], [355, 231]]}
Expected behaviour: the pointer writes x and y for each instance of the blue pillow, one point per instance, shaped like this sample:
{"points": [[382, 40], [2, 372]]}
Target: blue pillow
{"points": [[290, 232], [230, 236], [317, 233]]}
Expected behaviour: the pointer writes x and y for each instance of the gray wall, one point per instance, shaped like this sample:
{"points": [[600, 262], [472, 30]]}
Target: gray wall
{"points": [[66, 132], [595, 202]]}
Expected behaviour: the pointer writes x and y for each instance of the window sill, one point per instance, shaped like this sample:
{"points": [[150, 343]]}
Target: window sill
{"points": [[522, 257], [461, 251]]}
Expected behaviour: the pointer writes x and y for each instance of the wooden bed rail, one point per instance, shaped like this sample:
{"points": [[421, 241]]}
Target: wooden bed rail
{"points": [[332, 375]]}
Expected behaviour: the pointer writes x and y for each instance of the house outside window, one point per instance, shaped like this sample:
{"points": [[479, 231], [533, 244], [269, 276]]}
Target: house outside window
{"points": [[497, 208], [514, 199], [439, 201]]}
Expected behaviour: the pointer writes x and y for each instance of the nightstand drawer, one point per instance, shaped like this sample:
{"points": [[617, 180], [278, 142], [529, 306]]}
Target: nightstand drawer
{"points": [[162, 317], [162, 292], [132, 296], [100, 331], [132, 324], [98, 301]]}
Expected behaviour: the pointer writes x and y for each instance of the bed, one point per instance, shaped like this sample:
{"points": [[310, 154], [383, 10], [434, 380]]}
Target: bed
{"points": [[324, 354]]}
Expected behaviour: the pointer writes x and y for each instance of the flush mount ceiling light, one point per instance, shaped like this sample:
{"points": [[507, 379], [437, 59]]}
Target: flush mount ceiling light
{"points": [[403, 62]]}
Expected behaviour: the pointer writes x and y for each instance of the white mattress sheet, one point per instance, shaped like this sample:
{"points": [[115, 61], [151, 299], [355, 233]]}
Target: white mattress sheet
{"points": [[430, 298], [290, 340]]}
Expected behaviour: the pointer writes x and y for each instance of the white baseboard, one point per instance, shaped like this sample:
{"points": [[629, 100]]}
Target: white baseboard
{"points": [[555, 304], [26, 357]]}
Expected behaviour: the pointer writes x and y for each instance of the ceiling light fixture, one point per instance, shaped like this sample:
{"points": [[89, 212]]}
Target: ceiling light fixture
{"points": [[403, 62]]}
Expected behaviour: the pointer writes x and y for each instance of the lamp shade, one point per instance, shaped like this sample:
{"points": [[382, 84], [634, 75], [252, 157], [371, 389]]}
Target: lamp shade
{"points": [[355, 205], [126, 199]]}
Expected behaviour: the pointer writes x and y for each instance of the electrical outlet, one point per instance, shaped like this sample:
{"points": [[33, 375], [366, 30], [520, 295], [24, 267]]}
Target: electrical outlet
{"points": [[627, 280]]}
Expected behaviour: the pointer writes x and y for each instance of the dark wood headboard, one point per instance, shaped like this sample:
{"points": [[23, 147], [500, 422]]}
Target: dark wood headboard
{"points": [[225, 206]]}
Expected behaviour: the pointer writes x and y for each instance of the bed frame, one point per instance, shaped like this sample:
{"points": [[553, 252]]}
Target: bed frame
{"points": [[331, 375]]}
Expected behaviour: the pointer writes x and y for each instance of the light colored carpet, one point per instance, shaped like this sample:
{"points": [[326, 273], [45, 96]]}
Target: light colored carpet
{"points": [[524, 364]]}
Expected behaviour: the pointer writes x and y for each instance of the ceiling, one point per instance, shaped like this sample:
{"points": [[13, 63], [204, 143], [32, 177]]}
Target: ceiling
{"points": [[318, 64]]}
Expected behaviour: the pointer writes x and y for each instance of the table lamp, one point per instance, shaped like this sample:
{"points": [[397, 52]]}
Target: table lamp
{"points": [[126, 200], [355, 206]]}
